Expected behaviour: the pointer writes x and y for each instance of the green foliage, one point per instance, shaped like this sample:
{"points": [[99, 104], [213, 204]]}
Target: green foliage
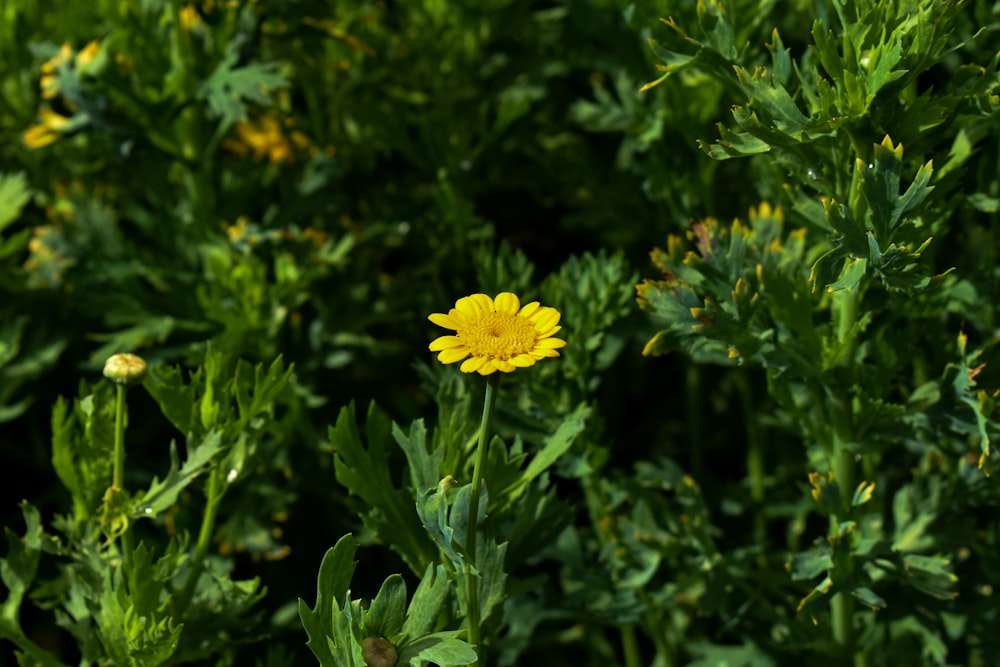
{"points": [[266, 199]]}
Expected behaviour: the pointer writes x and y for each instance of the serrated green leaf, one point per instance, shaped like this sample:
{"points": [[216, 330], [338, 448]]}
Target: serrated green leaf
{"points": [[230, 86], [428, 600], [387, 612], [332, 584], [366, 472]]}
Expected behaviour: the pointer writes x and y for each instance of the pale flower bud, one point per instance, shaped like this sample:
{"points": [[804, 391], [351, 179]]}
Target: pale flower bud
{"points": [[125, 369]]}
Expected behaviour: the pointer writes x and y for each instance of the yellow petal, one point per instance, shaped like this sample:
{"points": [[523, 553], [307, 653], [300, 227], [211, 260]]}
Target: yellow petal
{"points": [[442, 320], [549, 332], [483, 302], [549, 344], [545, 318], [507, 302], [472, 364], [453, 354], [469, 307], [444, 343], [523, 360], [529, 310], [488, 368], [504, 366], [37, 136], [541, 353]]}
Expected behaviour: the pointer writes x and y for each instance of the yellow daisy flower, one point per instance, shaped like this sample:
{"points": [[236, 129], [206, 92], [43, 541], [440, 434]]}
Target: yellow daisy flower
{"points": [[496, 334]]}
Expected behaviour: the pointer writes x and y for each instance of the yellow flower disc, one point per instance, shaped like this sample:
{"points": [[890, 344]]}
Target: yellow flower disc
{"points": [[496, 334]]}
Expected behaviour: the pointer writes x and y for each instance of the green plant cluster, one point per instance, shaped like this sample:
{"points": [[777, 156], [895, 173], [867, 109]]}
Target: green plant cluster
{"points": [[773, 450]]}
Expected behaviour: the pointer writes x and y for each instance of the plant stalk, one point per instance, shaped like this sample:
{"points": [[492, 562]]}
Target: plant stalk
{"points": [[471, 580], [213, 496], [118, 468]]}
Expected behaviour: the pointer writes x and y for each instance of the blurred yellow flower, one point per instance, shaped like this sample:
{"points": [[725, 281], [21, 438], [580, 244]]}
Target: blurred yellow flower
{"points": [[88, 53], [49, 82], [496, 334], [46, 132], [265, 138], [189, 17]]}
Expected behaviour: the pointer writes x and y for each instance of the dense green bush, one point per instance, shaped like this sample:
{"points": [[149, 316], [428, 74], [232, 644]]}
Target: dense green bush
{"points": [[265, 200]]}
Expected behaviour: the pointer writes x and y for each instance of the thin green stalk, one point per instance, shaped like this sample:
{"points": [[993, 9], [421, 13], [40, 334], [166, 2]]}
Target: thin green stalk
{"points": [[694, 424], [755, 460], [213, 496], [471, 584], [630, 647], [33, 650], [118, 467], [842, 606]]}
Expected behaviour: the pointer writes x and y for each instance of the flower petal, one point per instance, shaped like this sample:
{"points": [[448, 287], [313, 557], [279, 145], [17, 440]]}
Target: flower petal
{"points": [[523, 360], [453, 354], [488, 368], [445, 342], [483, 302], [507, 302], [505, 366], [545, 318], [472, 364], [529, 310], [549, 343], [548, 332], [442, 320]]}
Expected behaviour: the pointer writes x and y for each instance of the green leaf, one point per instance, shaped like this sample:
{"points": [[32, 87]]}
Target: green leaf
{"points": [[367, 473], [162, 495], [931, 574], [425, 467], [14, 196], [332, 584], [440, 648], [868, 597], [428, 602], [230, 87], [387, 612]]}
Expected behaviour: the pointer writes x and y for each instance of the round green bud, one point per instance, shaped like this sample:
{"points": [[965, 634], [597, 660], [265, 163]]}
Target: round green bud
{"points": [[125, 369], [378, 652]]}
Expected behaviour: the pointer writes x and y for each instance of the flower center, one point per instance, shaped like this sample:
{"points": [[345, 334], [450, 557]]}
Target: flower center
{"points": [[498, 336]]}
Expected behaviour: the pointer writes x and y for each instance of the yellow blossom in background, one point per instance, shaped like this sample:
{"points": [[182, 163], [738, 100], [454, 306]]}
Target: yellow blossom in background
{"points": [[46, 132], [87, 54], [49, 82], [265, 138], [189, 17], [496, 334]]}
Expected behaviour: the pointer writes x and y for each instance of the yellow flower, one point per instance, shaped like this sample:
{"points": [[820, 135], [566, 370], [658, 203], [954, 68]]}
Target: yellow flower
{"points": [[88, 54], [47, 132], [496, 334], [49, 82]]}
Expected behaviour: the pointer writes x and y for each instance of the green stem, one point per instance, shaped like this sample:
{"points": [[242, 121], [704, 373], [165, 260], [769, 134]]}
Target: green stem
{"points": [[842, 460], [118, 473], [630, 646], [471, 583], [755, 460], [30, 648], [694, 422], [118, 468], [213, 496]]}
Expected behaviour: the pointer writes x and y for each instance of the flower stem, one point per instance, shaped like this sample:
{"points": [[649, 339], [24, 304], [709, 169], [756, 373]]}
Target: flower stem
{"points": [[213, 495], [630, 646], [471, 580], [118, 467]]}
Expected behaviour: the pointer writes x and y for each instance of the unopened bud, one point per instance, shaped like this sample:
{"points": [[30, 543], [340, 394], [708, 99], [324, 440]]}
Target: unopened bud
{"points": [[378, 652], [125, 369]]}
